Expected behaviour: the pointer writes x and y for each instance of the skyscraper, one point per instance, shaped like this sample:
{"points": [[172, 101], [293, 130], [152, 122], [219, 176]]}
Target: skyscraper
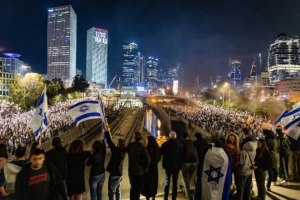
{"points": [[284, 58], [96, 56], [141, 65], [130, 77], [235, 74], [152, 73], [61, 44]]}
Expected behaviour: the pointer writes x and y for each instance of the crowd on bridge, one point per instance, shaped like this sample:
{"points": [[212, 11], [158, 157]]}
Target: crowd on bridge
{"points": [[14, 123], [217, 120]]}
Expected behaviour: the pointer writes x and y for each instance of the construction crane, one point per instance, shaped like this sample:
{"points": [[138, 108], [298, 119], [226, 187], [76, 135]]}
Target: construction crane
{"points": [[112, 81]]}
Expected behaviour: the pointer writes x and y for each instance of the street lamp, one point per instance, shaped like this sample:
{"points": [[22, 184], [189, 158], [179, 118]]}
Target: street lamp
{"points": [[223, 91]]}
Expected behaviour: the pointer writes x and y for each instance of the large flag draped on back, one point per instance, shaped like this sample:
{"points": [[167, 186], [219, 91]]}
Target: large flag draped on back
{"points": [[214, 176], [291, 122], [85, 110], [39, 120]]}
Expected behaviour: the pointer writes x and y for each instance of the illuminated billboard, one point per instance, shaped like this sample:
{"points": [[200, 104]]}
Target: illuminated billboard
{"points": [[100, 36], [175, 86]]}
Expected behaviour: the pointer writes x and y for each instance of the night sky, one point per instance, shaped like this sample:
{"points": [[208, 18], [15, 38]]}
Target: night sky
{"points": [[200, 34]]}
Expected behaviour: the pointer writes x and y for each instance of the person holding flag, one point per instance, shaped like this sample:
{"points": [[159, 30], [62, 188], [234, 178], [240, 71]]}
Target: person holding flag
{"points": [[39, 120]]}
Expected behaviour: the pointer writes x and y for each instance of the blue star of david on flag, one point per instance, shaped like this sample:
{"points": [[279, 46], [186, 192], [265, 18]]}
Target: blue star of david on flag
{"points": [[210, 174], [296, 116], [41, 112], [84, 108]]}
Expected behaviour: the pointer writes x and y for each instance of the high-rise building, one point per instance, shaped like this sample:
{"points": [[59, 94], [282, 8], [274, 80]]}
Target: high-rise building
{"points": [[235, 74], [130, 77], [176, 74], [12, 63], [141, 68], [152, 73], [96, 56], [5, 78], [284, 58], [61, 44]]}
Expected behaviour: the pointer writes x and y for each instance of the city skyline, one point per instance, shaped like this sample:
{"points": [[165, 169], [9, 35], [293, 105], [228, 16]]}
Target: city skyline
{"points": [[196, 34]]}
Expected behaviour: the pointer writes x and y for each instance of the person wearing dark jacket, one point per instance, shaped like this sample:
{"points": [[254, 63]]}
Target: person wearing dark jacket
{"points": [[263, 162], [97, 173], [39, 180], [139, 163], [189, 163], [202, 147], [115, 166], [58, 157], [294, 161], [76, 158], [172, 163], [284, 151], [150, 183]]}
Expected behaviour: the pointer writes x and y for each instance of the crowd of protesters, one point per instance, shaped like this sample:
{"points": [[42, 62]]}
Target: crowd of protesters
{"points": [[217, 120], [60, 173], [14, 129]]}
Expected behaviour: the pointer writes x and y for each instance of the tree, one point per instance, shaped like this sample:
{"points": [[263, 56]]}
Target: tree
{"points": [[55, 88], [79, 84], [27, 90]]}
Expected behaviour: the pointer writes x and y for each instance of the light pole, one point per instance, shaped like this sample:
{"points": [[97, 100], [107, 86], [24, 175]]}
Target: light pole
{"points": [[223, 98]]}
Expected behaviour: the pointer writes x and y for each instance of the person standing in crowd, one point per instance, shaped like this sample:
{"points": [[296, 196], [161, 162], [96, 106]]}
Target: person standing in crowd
{"points": [[115, 166], [3, 160], [20, 160], [150, 182], [202, 147], [245, 168], [39, 180], [214, 175], [188, 163], [139, 163], [58, 156], [246, 137], [284, 151], [272, 145], [97, 173], [76, 158], [263, 162], [294, 161], [172, 163], [232, 147]]}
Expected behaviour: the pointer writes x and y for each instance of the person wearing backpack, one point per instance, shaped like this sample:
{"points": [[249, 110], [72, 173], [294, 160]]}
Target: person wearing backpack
{"points": [[284, 151]]}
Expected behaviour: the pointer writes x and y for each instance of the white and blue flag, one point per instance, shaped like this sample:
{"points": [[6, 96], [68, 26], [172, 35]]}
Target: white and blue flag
{"points": [[85, 110], [214, 176], [39, 120], [291, 122], [278, 121]]}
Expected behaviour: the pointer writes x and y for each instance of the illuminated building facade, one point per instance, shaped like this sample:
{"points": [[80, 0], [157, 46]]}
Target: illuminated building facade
{"points": [[96, 56], [152, 73], [284, 58], [130, 67], [61, 44], [5, 78]]}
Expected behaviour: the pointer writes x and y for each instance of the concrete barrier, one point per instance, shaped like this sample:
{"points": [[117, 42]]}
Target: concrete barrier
{"points": [[73, 133]]}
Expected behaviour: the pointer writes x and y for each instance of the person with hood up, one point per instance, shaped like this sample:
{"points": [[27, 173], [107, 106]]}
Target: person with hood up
{"points": [[245, 168]]}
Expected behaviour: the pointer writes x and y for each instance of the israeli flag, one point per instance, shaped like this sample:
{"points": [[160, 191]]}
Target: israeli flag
{"points": [[85, 110], [291, 123], [39, 120], [278, 121], [214, 176], [102, 112]]}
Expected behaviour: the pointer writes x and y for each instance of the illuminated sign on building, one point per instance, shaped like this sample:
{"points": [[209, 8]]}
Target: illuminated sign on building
{"points": [[100, 36], [175, 87]]}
